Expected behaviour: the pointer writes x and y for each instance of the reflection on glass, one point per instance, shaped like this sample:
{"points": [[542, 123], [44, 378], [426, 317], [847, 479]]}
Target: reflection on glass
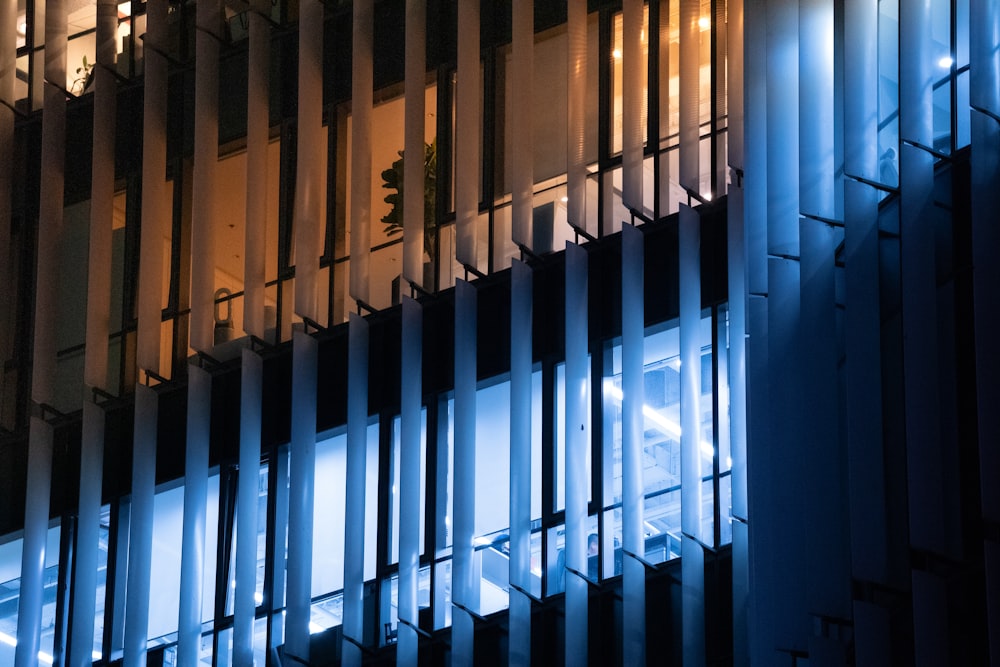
{"points": [[661, 460], [10, 586]]}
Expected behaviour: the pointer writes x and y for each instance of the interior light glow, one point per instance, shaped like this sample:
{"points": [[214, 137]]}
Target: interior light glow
{"points": [[707, 196], [481, 541], [22, 28], [617, 54], [669, 427], [729, 461], [7, 639], [315, 627], [45, 657], [258, 598], [124, 9], [564, 199], [945, 62], [704, 23], [96, 655]]}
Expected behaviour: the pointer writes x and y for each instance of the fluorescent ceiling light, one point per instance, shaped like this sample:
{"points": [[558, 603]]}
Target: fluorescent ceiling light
{"points": [[945, 62], [668, 427]]}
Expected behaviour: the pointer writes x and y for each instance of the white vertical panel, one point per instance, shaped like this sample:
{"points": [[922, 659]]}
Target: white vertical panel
{"points": [[736, 366], [576, 105], [861, 89], [413, 153], [301, 484], [633, 67], [38, 484], [663, 159], [755, 155], [734, 82], [825, 546], [984, 57], [736, 252], [689, 91], [354, 519], [258, 124], [689, 269], [782, 67], [98, 324], [140, 542], [465, 586], [467, 130], [206, 155], [775, 489], [916, 74], [633, 450], [985, 170], [692, 557], [155, 207], [692, 600], [251, 395], [411, 390], [199, 432], [522, 130], [920, 351], [102, 193], [521, 322], [782, 120], [464, 583], [87, 536], [50, 223], [816, 155], [308, 169], [362, 74], [872, 634], [50, 207], [866, 468], [577, 431], [8, 57]]}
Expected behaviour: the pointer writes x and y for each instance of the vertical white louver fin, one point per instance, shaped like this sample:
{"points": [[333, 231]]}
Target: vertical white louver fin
{"points": [[577, 430], [522, 130], [362, 73], [467, 131], [414, 224]]}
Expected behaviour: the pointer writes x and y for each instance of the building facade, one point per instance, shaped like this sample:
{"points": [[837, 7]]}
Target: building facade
{"points": [[681, 355]]}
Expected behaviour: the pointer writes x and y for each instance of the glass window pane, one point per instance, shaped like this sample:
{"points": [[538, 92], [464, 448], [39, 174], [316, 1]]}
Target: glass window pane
{"points": [[328, 515]]}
